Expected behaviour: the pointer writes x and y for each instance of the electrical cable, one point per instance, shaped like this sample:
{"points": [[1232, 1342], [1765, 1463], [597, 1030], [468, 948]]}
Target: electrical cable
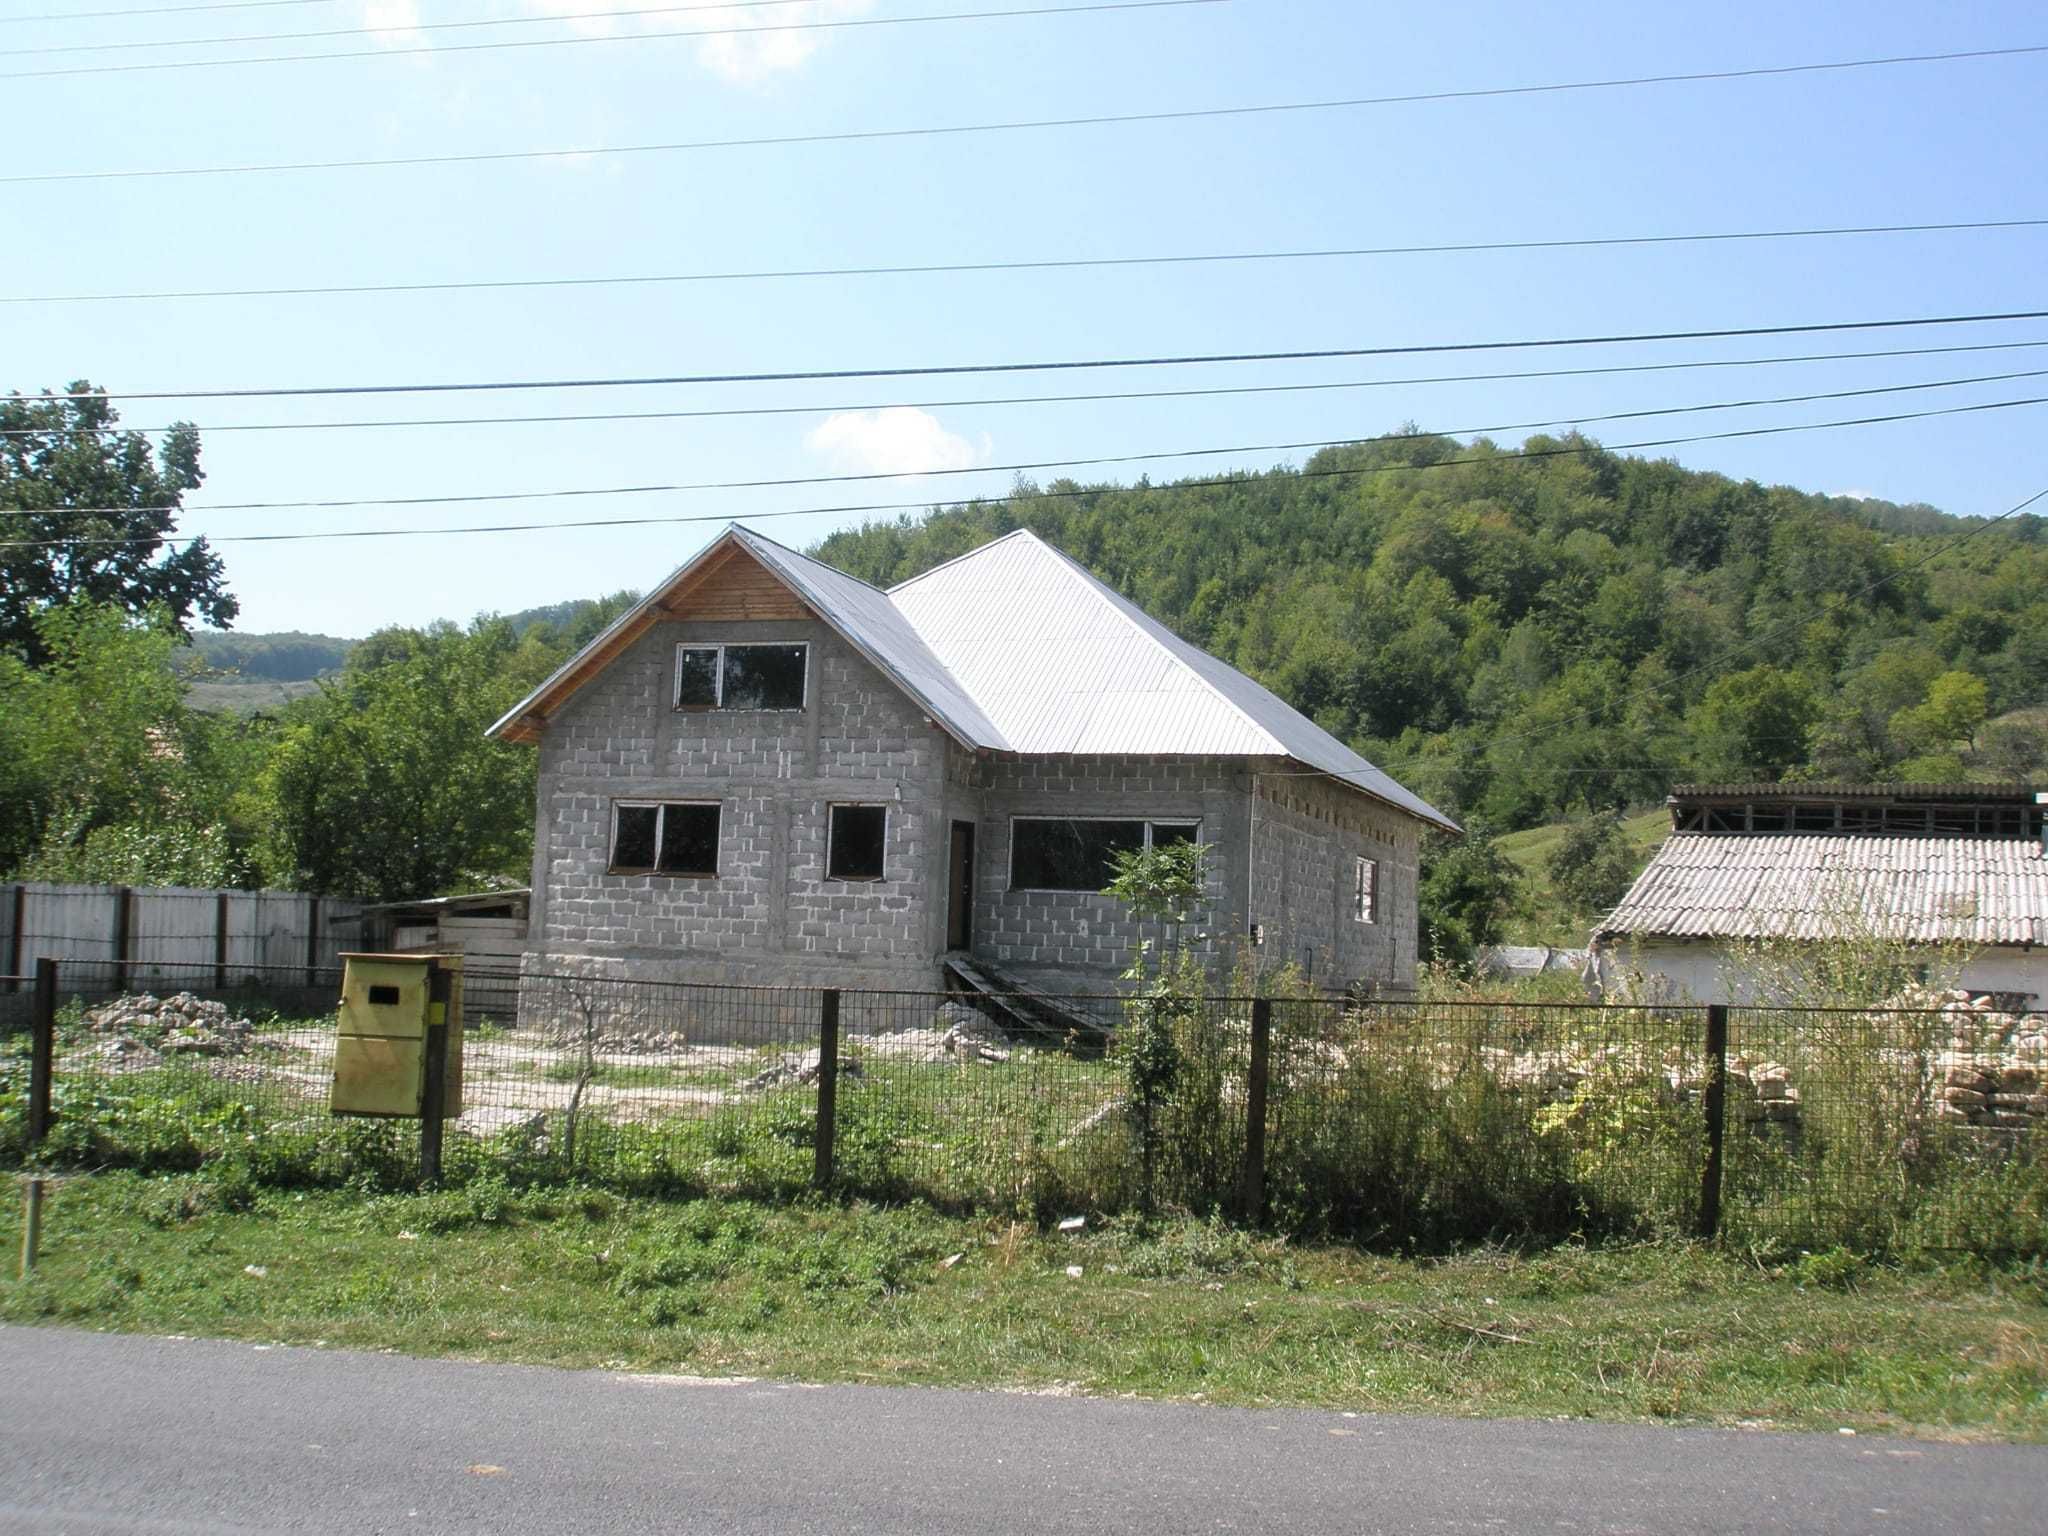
{"points": [[786, 482], [901, 506], [117, 429], [1069, 263], [1066, 365], [664, 35], [1094, 120]]}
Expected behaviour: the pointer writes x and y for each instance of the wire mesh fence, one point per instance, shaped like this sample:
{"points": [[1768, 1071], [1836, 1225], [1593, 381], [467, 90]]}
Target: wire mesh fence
{"points": [[1415, 1124]]}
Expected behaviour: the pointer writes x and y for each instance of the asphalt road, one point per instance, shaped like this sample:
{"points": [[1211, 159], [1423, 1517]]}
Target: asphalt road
{"points": [[101, 1433]]}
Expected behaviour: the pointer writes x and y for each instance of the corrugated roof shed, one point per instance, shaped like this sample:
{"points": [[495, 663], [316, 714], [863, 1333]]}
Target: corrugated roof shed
{"points": [[1975, 890]]}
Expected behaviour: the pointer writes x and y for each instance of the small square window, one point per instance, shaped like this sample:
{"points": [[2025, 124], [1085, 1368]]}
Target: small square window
{"points": [[1365, 891], [635, 830], [689, 840], [859, 834], [665, 839], [763, 677], [696, 677]]}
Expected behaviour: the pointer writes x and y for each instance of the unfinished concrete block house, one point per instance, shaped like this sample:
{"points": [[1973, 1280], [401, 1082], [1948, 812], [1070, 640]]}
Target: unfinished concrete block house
{"points": [[772, 773]]}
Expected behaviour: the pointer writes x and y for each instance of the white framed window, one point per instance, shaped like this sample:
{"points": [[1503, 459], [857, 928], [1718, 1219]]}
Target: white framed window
{"points": [[1365, 890], [768, 675], [665, 837], [1078, 853], [856, 842]]}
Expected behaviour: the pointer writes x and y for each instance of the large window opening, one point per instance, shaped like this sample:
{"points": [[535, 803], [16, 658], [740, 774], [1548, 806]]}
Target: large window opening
{"points": [[1050, 853], [741, 676], [1365, 880], [855, 842], [664, 838]]}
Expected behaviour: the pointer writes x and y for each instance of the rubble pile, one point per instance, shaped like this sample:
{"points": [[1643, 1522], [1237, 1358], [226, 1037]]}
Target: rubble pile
{"points": [[175, 1025], [957, 1033]]}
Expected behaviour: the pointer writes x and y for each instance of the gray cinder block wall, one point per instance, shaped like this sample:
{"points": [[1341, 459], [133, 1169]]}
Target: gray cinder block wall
{"points": [[1283, 844], [770, 918]]}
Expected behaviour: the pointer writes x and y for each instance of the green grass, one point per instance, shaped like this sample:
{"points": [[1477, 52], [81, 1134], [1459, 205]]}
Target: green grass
{"points": [[1544, 917], [1196, 1311]]}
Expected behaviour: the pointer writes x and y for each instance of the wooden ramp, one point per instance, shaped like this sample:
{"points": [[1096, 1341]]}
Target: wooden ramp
{"points": [[1024, 1009]]}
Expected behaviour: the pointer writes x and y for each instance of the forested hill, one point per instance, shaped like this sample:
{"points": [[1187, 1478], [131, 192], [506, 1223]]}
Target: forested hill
{"points": [[1521, 638]]}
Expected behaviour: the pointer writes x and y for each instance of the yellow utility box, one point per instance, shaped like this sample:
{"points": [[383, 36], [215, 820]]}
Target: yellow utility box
{"points": [[388, 1005]]}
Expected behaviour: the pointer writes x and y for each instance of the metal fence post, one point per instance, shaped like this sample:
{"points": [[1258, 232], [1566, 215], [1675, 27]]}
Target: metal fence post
{"points": [[124, 933], [1714, 1106], [828, 1087], [312, 941], [220, 941], [42, 1051], [434, 1080], [1253, 1188], [14, 934]]}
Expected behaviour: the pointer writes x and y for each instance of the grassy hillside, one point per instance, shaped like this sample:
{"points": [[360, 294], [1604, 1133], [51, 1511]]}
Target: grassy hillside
{"points": [[1542, 916]]}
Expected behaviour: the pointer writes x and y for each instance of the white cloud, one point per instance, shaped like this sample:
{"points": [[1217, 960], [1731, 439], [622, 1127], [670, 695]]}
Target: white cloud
{"points": [[900, 440], [392, 21], [586, 18], [751, 57], [746, 58]]}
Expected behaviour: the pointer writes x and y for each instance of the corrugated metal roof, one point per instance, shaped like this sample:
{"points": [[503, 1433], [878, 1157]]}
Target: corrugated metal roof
{"points": [[2023, 793], [1062, 663], [1976, 890], [1015, 648]]}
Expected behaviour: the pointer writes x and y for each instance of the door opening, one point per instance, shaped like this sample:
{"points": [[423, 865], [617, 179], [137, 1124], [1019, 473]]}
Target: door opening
{"points": [[960, 888]]}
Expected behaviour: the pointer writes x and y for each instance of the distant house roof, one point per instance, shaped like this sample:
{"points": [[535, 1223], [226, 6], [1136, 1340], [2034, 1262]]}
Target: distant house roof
{"points": [[1015, 648], [1922, 889], [1833, 790]]}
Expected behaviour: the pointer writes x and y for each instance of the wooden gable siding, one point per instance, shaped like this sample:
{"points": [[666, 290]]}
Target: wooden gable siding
{"points": [[739, 588], [728, 584]]}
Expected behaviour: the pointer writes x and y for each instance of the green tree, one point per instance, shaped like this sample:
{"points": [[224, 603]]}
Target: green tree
{"points": [[1593, 865], [1754, 724], [105, 775], [69, 475], [1468, 887], [1949, 717], [383, 784]]}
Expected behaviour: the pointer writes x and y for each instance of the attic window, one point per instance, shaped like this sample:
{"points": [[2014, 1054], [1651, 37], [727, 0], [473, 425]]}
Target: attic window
{"points": [[1074, 854], [668, 838], [741, 676]]}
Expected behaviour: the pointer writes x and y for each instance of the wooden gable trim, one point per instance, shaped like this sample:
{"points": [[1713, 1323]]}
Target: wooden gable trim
{"points": [[677, 600]]}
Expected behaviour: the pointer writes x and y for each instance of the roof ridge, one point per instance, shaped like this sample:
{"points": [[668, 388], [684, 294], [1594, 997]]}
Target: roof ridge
{"points": [[979, 549], [752, 533]]}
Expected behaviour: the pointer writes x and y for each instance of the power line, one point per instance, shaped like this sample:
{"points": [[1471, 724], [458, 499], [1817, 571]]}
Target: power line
{"points": [[935, 370], [158, 10], [722, 412], [90, 541], [1096, 120], [785, 482], [1064, 263], [556, 19], [438, 49]]}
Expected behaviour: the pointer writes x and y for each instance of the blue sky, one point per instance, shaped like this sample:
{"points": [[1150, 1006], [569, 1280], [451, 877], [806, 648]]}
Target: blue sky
{"points": [[1917, 143]]}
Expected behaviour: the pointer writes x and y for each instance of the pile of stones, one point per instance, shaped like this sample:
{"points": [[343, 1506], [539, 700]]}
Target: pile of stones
{"points": [[1994, 1071], [957, 1033], [179, 1024]]}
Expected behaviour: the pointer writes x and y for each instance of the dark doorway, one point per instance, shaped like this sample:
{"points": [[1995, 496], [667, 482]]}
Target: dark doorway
{"points": [[960, 888]]}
